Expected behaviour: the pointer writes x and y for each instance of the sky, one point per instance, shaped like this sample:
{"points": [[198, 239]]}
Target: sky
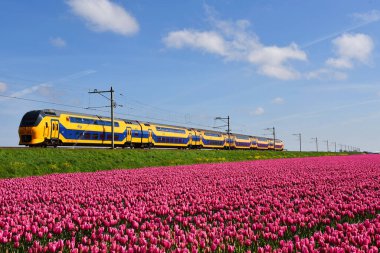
{"points": [[309, 67]]}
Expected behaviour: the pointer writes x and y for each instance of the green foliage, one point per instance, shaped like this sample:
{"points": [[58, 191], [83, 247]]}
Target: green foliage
{"points": [[22, 162]]}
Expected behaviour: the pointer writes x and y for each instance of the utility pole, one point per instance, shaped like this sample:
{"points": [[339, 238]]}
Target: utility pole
{"points": [[274, 136], [228, 128], [316, 142], [299, 138], [327, 141], [335, 145], [113, 104]]}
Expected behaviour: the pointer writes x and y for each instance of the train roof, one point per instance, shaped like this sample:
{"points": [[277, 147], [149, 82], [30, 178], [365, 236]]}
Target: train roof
{"points": [[59, 112]]}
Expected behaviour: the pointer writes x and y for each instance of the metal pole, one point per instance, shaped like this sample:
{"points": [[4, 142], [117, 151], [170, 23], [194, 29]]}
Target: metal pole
{"points": [[228, 132], [112, 120], [228, 128], [327, 141], [316, 143], [300, 139], [113, 105]]}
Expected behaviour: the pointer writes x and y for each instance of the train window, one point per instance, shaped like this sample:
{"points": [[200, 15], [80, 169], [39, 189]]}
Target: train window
{"points": [[87, 136], [95, 136], [101, 136], [49, 113], [212, 134], [172, 130]]}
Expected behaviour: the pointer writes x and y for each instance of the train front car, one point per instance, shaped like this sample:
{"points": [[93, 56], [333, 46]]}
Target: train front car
{"points": [[32, 130]]}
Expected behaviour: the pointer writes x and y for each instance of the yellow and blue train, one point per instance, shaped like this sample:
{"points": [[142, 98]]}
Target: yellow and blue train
{"points": [[61, 128]]}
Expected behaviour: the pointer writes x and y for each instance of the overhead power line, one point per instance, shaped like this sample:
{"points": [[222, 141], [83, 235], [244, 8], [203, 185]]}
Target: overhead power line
{"points": [[40, 101], [105, 111]]}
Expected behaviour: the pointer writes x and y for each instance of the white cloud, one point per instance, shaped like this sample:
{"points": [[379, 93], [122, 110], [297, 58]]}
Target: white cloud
{"points": [[368, 17], [104, 15], [258, 111], [326, 74], [232, 41], [207, 41], [351, 48], [278, 100], [58, 42], [3, 87], [271, 60], [42, 89]]}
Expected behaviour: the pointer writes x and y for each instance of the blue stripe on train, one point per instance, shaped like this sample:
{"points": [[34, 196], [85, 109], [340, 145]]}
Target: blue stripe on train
{"points": [[72, 134]]}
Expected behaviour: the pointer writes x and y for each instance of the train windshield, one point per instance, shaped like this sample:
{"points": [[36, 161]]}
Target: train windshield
{"points": [[31, 118]]}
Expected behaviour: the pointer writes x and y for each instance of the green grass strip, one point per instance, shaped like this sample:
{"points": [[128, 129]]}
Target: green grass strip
{"points": [[23, 162]]}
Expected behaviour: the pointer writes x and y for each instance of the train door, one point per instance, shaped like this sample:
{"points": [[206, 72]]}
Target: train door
{"points": [[150, 136], [54, 133], [46, 130], [196, 139], [190, 140], [129, 134]]}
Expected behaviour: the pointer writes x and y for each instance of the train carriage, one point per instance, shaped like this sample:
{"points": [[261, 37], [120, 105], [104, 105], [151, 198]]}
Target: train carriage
{"points": [[169, 136], [87, 130], [279, 145], [242, 141], [262, 143], [212, 139]]}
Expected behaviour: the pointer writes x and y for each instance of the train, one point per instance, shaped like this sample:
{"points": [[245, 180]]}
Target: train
{"points": [[49, 127]]}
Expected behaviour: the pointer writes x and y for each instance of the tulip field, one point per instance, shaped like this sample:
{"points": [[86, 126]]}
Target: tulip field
{"points": [[322, 204]]}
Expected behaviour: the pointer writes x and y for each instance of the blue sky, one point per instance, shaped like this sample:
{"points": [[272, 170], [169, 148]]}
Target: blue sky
{"points": [[309, 67]]}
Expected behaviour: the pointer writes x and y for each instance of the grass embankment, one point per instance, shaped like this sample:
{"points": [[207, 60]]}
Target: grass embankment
{"points": [[39, 161]]}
